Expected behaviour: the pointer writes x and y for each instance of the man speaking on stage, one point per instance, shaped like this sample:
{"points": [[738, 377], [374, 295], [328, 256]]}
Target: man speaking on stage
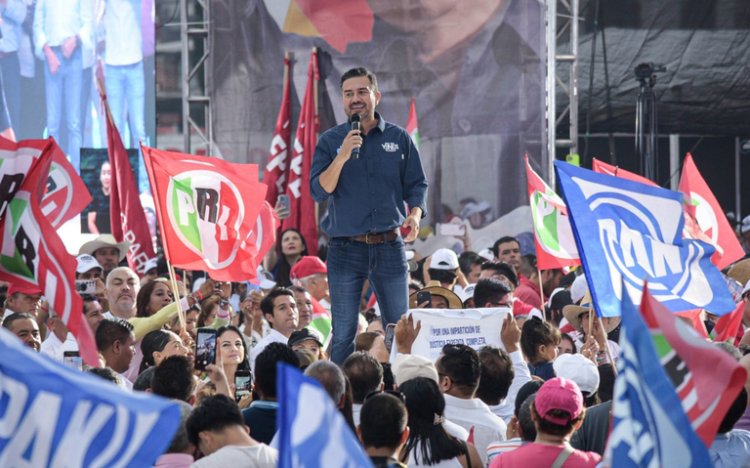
{"points": [[369, 171]]}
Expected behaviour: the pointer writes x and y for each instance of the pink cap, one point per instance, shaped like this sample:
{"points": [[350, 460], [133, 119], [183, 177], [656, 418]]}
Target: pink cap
{"points": [[559, 394], [307, 266]]}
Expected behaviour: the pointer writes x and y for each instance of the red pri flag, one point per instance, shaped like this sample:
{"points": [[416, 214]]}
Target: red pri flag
{"points": [[702, 206], [207, 210], [126, 213], [706, 378], [66, 195], [33, 255], [604, 168], [302, 205], [264, 233], [727, 328], [278, 159]]}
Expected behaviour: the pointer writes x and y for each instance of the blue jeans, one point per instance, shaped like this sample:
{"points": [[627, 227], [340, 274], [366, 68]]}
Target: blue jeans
{"points": [[64, 98], [126, 91], [126, 94], [349, 264]]}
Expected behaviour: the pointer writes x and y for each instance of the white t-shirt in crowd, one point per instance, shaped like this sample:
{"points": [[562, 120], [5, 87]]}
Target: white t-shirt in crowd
{"points": [[257, 456]]}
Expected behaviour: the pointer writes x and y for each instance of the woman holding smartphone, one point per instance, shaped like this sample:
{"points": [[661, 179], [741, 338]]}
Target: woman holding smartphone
{"points": [[291, 247], [232, 353]]}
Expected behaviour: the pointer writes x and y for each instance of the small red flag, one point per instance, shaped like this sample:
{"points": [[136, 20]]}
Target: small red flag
{"points": [[33, 255], [207, 210], [704, 208], [275, 174], [264, 233], [604, 168], [302, 205], [126, 213], [728, 326]]}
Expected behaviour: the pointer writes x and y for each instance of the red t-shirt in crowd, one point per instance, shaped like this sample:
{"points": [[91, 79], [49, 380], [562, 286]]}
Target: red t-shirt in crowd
{"points": [[543, 455]]}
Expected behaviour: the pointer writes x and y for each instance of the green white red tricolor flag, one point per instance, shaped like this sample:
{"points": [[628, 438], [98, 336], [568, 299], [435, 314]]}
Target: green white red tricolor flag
{"points": [[412, 127], [32, 254], [553, 236], [207, 210]]}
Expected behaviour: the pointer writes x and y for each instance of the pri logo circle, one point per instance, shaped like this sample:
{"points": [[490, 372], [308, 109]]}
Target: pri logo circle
{"points": [[206, 211]]}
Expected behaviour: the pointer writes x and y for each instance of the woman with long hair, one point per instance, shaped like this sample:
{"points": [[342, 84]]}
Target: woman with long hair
{"points": [[153, 296], [429, 444], [290, 248], [158, 345], [231, 346]]}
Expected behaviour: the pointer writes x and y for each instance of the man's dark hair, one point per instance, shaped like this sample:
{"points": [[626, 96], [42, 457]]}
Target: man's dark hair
{"points": [[489, 290], [504, 269], [266, 305], [442, 276], [330, 376], [357, 72], [503, 240], [16, 316], [382, 421], [546, 427], [528, 429], [497, 375], [173, 378], [365, 374], [461, 364], [535, 333], [734, 413], [265, 368], [214, 413], [297, 289], [111, 330], [105, 373], [468, 259], [143, 381]]}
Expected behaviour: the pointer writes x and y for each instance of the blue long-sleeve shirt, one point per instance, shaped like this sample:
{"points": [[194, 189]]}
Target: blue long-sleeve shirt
{"points": [[372, 190]]}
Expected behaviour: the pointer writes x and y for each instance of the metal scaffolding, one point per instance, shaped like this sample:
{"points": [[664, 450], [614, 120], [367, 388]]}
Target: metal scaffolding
{"points": [[556, 57], [196, 37]]}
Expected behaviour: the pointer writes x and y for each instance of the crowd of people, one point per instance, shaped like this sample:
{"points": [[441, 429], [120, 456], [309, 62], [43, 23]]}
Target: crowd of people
{"points": [[542, 399]]}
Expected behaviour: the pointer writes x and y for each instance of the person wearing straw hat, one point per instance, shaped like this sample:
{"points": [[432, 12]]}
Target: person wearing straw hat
{"points": [[106, 250], [590, 329], [442, 298]]}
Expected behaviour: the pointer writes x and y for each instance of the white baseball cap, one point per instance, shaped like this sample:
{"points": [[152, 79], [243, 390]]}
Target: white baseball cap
{"points": [[444, 259], [578, 369], [578, 289], [86, 262]]}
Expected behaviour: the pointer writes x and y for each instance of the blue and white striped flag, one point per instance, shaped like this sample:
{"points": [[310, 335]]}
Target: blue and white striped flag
{"points": [[312, 431], [650, 428], [626, 233], [53, 415]]}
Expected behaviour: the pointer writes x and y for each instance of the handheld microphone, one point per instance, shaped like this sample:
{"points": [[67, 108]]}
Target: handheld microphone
{"points": [[355, 126]]}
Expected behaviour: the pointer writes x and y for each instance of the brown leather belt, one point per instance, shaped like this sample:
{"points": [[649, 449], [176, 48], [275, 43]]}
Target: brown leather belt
{"points": [[376, 237]]}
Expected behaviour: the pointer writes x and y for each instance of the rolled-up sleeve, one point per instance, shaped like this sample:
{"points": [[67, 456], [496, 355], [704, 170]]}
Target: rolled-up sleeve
{"points": [[415, 181], [322, 158]]}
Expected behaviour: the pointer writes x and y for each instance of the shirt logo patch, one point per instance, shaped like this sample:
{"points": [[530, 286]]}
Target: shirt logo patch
{"points": [[390, 147]]}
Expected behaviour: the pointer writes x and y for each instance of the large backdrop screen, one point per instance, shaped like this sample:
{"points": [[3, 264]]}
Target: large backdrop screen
{"points": [[50, 51], [475, 69]]}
